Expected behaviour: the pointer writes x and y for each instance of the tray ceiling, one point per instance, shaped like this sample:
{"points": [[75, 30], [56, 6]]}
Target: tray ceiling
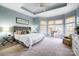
{"points": [[41, 9]]}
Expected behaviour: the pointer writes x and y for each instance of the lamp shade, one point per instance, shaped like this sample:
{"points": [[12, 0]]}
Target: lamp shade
{"points": [[1, 29]]}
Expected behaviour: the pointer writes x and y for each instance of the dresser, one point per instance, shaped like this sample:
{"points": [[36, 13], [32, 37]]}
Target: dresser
{"points": [[75, 44]]}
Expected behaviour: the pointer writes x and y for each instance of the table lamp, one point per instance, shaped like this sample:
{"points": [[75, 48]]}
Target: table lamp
{"points": [[6, 30]]}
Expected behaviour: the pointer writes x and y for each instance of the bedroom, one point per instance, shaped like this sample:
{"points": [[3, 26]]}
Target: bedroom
{"points": [[37, 29]]}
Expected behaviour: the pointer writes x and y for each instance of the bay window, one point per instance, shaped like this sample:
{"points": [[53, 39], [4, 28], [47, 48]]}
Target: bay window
{"points": [[70, 25]]}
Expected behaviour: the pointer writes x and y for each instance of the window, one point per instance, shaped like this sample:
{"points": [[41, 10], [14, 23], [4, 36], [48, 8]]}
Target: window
{"points": [[43, 29], [70, 19], [55, 25], [43, 22], [51, 27], [70, 25], [58, 21], [43, 26], [50, 22], [59, 29], [70, 28]]}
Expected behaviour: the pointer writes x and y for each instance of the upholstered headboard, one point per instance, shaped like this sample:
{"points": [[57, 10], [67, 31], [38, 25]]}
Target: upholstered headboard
{"points": [[22, 30]]}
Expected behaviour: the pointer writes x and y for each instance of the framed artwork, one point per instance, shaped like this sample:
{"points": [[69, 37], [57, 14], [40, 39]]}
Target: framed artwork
{"points": [[22, 21]]}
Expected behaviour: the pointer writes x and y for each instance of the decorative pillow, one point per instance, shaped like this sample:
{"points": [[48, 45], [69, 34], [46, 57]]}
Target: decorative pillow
{"points": [[18, 32]]}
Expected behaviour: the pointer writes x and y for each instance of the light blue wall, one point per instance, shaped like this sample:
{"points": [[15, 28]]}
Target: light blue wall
{"points": [[37, 22], [77, 16], [8, 18]]}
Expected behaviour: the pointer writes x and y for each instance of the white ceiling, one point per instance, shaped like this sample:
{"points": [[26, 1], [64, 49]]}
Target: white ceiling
{"points": [[35, 7]]}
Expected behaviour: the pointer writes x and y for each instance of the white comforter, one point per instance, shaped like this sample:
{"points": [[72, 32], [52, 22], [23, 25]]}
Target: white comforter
{"points": [[30, 39]]}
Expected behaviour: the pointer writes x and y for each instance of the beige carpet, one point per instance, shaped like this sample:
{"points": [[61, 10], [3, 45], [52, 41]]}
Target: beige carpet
{"points": [[47, 47]]}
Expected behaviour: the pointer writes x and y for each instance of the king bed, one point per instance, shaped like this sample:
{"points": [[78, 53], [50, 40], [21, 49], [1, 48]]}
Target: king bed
{"points": [[24, 36]]}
